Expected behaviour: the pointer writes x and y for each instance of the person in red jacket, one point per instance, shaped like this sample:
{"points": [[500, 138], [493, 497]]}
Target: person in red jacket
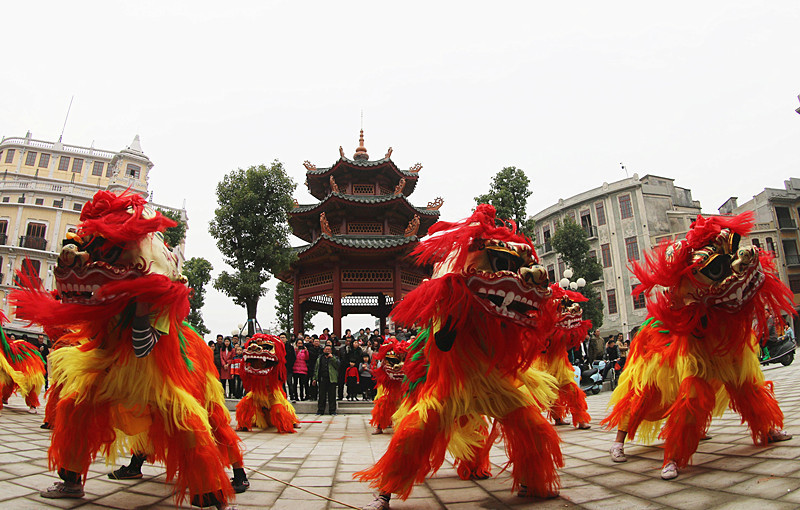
{"points": [[352, 380]]}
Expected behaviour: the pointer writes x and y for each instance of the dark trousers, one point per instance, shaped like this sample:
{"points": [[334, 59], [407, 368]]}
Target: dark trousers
{"points": [[236, 386], [327, 391], [341, 384], [300, 386], [352, 387]]}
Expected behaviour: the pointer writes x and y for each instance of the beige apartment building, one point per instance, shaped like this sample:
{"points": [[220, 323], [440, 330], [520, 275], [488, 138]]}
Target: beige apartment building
{"points": [[43, 186]]}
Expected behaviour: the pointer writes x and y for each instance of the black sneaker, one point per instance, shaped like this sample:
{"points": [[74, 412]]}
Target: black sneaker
{"points": [[239, 486], [125, 473]]}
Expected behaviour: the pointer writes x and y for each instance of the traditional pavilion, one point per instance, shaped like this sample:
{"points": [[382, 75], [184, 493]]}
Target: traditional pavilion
{"points": [[360, 234]]}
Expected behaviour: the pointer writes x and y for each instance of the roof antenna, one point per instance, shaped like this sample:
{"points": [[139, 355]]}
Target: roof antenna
{"points": [[362, 118], [625, 169], [65, 119]]}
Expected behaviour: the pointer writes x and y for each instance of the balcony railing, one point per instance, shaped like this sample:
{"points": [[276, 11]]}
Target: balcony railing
{"points": [[793, 260], [786, 224], [548, 247], [591, 231], [3, 239], [35, 243]]}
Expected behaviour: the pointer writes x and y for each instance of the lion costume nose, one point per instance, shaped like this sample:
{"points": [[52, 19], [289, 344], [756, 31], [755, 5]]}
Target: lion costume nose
{"points": [[535, 275]]}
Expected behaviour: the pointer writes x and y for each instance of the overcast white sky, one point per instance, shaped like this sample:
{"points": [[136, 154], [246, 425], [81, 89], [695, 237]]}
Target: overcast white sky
{"points": [[703, 92]]}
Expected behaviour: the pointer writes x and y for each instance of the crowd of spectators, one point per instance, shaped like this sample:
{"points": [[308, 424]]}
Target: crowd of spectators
{"points": [[317, 366]]}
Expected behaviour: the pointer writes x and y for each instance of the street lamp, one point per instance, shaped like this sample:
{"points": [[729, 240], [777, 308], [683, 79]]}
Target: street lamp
{"points": [[566, 283]]}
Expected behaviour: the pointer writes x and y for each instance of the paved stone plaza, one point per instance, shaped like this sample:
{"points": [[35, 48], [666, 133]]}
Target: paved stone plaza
{"points": [[728, 471]]}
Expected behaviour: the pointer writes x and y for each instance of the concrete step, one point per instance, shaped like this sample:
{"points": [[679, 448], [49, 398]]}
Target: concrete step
{"points": [[310, 407]]}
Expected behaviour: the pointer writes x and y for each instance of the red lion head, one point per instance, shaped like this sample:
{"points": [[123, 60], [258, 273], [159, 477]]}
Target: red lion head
{"points": [[570, 328], [393, 354], [708, 281], [264, 362]]}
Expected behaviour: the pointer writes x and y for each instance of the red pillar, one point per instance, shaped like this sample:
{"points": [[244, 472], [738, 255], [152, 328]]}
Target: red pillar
{"points": [[398, 285], [337, 301], [297, 313]]}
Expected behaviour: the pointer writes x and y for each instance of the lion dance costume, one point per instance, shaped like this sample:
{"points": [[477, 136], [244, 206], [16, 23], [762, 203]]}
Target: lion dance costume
{"points": [[21, 369], [136, 377], [697, 353], [482, 327], [264, 373], [389, 382], [568, 333]]}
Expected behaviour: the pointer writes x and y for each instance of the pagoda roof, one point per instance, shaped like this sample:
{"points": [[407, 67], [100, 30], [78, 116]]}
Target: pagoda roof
{"points": [[359, 242], [316, 178], [300, 215]]}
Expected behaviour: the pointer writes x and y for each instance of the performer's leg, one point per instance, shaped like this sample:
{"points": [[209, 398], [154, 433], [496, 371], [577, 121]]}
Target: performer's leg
{"points": [[532, 444], [132, 471], [245, 413], [479, 467], [756, 403], [417, 447], [687, 421], [576, 403], [618, 447], [8, 389]]}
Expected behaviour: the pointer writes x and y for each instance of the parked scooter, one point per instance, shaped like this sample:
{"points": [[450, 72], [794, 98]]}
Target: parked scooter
{"points": [[781, 350], [590, 379]]}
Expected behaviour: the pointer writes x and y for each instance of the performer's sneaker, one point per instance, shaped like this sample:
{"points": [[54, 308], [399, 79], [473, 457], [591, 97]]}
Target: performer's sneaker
{"points": [[775, 435], [584, 426], [524, 492], [669, 471], [45, 425], [377, 431], [63, 490], [239, 486], [618, 453], [125, 473], [378, 503], [32, 410]]}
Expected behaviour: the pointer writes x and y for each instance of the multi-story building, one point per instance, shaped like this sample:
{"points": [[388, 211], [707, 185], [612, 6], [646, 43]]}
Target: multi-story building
{"points": [[43, 187], [623, 219], [777, 216]]}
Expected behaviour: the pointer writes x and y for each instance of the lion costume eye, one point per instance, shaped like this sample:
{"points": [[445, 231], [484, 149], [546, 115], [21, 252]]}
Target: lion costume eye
{"points": [[717, 267], [503, 260]]}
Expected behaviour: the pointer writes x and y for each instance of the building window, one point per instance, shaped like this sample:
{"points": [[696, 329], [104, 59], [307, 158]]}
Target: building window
{"points": [[3, 234], [10, 156], [605, 251], [785, 218], [34, 237], [561, 268], [30, 268], [794, 283], [30, 158], [571, 215], [97, 168], [21, 199], [109, 170], [632, 248], [546, 239], [790, 250], [600, 210], [44, 160], [6, 200], [586, 223], [132, 171], [639, 301], [771, 247], [551, 272], [593, 254], [77, 165], [611, 297], [625, 209], [36, 230], [77, 206], [58, 203], [756, 242], [63, 163], [39, 201]]}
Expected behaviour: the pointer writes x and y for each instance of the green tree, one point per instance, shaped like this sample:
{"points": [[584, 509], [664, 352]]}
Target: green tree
{"points": [[198, 271], [174, 235], [284, 309], [509, 194], [570, 240], [252, 232]]}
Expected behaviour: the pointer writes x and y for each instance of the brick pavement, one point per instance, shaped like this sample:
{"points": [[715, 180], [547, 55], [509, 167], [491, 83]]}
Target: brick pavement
{"points": [[728, 471]]}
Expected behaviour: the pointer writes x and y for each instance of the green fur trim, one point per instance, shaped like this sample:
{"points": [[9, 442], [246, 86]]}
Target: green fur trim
{"points": [[189, 364]]}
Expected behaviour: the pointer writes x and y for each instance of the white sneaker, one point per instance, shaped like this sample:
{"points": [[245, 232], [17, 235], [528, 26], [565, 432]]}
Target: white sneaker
{"points": [[32, 410], [670, 471], [618, 453]]}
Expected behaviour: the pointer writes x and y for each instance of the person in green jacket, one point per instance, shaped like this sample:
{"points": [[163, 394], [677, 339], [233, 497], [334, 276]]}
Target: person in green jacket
{"points": [[326, 377]]}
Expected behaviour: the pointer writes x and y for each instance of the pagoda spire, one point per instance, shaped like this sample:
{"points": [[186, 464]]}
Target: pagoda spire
{"points": [[361, 152]]}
